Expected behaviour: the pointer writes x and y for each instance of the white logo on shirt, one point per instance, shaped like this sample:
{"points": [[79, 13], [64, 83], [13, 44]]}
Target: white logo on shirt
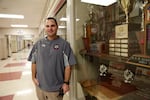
{"points": [[43, 45], [56, 46]]}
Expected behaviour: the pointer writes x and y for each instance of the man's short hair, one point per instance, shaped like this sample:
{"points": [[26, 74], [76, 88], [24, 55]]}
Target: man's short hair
{"points": [[52, 18]]}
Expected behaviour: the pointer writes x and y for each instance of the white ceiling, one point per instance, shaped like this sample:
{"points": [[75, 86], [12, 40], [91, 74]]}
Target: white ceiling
{"points": [[32, 10]]}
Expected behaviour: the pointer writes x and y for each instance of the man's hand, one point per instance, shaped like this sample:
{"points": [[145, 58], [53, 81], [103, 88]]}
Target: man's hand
{"points": [[66, 88], [35, 81]]}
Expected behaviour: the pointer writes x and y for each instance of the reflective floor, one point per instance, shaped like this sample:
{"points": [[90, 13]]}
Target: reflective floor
{"points": [[15, 78]]}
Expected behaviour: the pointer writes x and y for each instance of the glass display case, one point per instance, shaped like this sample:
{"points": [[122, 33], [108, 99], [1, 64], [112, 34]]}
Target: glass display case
{"points": [[147, 28]]}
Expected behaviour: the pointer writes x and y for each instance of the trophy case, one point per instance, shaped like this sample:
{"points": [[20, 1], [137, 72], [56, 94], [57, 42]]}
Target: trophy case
{"points": [[126, 36], [147, 29]]}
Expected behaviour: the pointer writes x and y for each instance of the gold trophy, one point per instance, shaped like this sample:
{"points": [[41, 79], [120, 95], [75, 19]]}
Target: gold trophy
{"points": [[127, 6]]}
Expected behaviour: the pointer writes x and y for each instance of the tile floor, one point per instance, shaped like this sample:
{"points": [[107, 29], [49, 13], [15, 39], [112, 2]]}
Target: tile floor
{"points": [[15, 78]]}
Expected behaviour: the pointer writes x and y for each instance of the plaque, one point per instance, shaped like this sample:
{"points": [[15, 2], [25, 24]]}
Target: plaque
{"points": [[111, 45], [117, 49], [124, 50], [117, 53], [124, 54], [140, 59], [112, 53], [121, 31], [124, 45], [111, 41], [112, 49], [117, 45], [117, 41], [124, 41]]}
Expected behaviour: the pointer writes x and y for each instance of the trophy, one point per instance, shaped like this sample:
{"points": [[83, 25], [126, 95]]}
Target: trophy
{"points": [[128, 75], [103, 70], [142, 5], [127, 6]]}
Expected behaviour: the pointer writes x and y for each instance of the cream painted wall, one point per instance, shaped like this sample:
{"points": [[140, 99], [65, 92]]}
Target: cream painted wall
{"points": [[19, 31], [4, 51]]}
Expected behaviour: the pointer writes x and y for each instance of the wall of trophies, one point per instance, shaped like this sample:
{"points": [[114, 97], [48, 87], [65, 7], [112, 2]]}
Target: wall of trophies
{"points": [[124, 40]]}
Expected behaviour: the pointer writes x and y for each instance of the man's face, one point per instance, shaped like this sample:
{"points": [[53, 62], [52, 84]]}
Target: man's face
{"points": [[51, 28]]}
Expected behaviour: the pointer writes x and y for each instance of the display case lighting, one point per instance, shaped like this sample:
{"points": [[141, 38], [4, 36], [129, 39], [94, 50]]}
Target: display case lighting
{"points": [[65, 19], [100, 2], [61, 26]]}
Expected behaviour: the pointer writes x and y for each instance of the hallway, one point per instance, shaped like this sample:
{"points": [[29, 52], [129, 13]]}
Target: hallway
{"points": [[15, 78]]}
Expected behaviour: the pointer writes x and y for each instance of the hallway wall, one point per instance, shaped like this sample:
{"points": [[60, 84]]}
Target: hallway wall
{"points": [[4, 49], [19, 31], [12, 39]]}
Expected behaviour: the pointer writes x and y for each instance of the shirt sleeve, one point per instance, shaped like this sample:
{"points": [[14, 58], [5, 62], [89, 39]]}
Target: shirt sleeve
{"points": [[34, 56], [69, 58], [32, 53], [65, 59]]}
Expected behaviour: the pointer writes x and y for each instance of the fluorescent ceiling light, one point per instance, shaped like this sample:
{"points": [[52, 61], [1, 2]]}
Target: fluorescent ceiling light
{"points": [[65, 19], [19, 25], [61, 26], [11, 16], [100, 2]]}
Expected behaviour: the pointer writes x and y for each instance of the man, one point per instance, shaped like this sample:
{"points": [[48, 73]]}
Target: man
{"points": [[52, 59]]}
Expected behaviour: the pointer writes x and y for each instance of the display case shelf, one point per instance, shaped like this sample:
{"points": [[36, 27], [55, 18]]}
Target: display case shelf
{"points": [[137, 64], [113, 58], [104, 56]]}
